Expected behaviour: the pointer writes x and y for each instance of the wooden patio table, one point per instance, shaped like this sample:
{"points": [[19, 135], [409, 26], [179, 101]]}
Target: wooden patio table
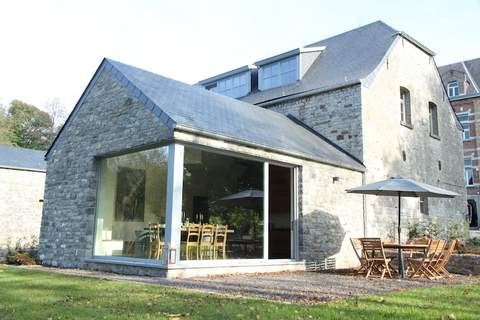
{"points": [[401, 247]]}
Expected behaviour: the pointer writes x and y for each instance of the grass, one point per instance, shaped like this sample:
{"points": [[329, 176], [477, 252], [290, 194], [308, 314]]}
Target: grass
{"points": [[27, 294]]}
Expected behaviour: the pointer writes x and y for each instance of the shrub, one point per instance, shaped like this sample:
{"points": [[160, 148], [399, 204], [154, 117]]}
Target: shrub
{"points": [[23, 252], [452, 229]]}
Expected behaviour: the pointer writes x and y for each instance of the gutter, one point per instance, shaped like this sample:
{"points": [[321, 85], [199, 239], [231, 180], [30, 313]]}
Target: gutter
{"points": [[464, 97], [216, 136], [22, 169]]}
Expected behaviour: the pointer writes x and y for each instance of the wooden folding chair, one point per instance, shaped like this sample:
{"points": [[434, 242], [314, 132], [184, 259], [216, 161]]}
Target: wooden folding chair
{"points": [[358, 249], [424, 267], [441, 265], [375, 257]]}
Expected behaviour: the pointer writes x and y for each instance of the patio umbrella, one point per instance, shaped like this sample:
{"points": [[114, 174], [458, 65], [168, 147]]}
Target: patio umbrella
{"points": [[402, 187], [245, 194], [248, 198]]}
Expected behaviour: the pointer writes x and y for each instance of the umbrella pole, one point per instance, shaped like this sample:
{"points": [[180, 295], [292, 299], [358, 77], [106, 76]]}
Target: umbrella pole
{"points": [[401, 271]]}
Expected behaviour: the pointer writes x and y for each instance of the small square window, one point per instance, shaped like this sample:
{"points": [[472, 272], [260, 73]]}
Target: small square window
{"points": [[424, 205]]}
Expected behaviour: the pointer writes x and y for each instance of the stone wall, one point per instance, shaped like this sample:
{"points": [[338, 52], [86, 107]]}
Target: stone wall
{"points": [[336, 114], [21, 193], [110, 120], [392, 149], [467, 264]]}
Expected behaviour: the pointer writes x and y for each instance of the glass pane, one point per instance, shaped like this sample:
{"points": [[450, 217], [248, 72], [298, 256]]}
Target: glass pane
{"points": [[222, 207], [131, 205]]}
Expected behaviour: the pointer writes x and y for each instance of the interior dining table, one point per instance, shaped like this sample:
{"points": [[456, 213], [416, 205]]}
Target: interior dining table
{"points": [[401, 247]]}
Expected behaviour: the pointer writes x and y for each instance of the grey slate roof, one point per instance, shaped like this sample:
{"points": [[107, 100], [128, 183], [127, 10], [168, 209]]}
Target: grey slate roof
{"points": [[347, 58], [21, 158], [182, 105], [473, 68]]}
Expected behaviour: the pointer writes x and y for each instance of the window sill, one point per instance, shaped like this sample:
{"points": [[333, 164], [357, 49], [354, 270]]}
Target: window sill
{"points": [[406, 124], [435, 136]]}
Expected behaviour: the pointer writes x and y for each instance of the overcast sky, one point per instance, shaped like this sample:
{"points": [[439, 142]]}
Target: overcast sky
{"points": [[50, 49]]}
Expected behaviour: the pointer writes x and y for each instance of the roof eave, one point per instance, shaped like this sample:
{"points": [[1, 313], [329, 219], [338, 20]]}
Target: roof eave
{"points": [[416, 43], [187, 129]]}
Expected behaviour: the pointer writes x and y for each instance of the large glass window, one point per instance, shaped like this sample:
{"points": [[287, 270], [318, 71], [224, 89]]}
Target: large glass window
{"points": [[131, 205], [235, 86], [279, 73], [222, 207]]}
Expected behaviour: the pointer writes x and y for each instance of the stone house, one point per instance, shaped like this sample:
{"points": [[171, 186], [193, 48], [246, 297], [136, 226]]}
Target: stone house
{"points": [[461, 80], [376, 92], [22, 180], [146, 167]]}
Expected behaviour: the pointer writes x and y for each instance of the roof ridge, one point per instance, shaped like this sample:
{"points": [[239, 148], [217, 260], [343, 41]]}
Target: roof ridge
{"points": [[351, 30]]}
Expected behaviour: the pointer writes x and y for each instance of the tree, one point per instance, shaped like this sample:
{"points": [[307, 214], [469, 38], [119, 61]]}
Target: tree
{"points": [[30, 127], [5, 129], [57, 112]]}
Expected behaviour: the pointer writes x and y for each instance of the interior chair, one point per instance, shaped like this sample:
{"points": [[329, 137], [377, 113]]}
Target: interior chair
{"points": [[206, 241], [220, 241]]}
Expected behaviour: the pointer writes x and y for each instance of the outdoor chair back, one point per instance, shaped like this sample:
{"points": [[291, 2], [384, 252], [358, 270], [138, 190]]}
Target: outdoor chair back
{"points": [[441, 265], [374, 254], [424, 266], [358, 249]]}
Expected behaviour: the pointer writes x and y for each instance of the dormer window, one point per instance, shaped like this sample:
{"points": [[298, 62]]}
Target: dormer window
{"points": [[278, 73], [286, 68], [453, 89], [235, 84]]}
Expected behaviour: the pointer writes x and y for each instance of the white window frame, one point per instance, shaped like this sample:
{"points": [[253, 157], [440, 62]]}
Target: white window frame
{"points": [[465, 124], [453, 89], [468, 162], [405, 106]]}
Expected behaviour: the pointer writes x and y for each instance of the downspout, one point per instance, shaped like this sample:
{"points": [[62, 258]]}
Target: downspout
{"points": [[364, 207]]}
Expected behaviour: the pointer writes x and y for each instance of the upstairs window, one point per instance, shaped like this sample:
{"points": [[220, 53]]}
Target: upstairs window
{"points": [[468, 171], [278, 73], [453, 89], [464, 120], [405, 110], [424, 205], [433, 115], [234, 86]]}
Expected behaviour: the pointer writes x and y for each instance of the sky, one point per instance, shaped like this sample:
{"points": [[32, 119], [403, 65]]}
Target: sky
{"points": [[50, 49]]}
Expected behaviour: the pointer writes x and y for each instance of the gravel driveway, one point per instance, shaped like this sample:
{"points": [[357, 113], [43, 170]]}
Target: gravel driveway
{"points": [[293, 287]]}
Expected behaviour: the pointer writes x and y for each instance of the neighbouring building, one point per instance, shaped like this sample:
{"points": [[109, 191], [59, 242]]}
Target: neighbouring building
{"points": [[22, 180], [461, 80], [154, 176]]}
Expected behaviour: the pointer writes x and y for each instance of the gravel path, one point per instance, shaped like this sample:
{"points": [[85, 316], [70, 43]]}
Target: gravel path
{"points": [[292, 287]]}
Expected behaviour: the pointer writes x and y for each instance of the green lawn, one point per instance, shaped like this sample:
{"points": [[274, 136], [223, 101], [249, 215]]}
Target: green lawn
{"points": [[26, 294]]}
